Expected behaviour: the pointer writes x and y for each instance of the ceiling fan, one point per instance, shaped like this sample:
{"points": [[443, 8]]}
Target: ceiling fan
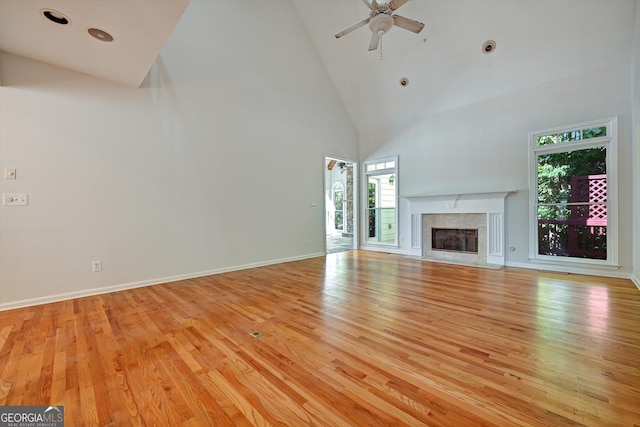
{"points": [[381, 19]]}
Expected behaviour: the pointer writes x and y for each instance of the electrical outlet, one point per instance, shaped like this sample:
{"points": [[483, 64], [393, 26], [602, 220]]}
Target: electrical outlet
{"points": [[15, 199], [96, 266]]}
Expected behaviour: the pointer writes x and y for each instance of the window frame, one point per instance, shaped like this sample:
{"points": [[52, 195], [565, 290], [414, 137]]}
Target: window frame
{"points": [[377, 171], [610, 142]]}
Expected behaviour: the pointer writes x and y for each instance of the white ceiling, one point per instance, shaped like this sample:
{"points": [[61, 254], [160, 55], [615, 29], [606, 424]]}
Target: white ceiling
{"points": [[139, 28], [537, 41]]}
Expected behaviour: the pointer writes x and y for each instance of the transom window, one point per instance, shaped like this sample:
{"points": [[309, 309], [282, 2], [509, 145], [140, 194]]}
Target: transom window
{"points": [[573, 194]]}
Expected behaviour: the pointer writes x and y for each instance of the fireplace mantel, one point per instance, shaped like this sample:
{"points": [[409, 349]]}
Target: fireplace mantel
{"points": [[489, 203], [451, 199]]}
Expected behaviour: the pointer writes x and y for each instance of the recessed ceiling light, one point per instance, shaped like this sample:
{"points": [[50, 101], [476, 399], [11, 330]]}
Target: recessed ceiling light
{"points": [[99, 34], [55, 16], [488, 47]]}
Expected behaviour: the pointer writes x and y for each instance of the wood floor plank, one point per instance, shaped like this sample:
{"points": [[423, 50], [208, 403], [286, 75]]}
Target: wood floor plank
{"points": [[354, 338]]}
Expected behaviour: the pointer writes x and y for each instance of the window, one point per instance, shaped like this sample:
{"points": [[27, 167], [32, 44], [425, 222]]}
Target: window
{"points": [[382, 199], [573, 194], [338, 205]]}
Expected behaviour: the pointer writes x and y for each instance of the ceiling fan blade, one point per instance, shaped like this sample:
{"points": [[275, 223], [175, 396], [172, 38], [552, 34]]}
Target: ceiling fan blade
{"points": [[375, 41], [396, 4], [353, 27], [371, 5], [408, 24]]}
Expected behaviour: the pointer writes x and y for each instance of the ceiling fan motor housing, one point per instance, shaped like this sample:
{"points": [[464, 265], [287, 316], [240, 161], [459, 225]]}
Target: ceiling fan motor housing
{"points": [[381, 22]]}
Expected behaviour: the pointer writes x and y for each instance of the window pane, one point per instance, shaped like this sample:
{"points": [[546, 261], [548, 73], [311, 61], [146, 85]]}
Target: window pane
{"points": [[567, 238], [381, 224], [371, 215], [572, 210], [573, 230], [339, 220], [338, 199], [572, 135], [558, 138], [372, 194], [594, 132], [553, 212], [387, 191], [575, 176]]}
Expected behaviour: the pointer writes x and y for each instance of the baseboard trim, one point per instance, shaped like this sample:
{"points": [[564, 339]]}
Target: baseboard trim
{"points": [[454, 262], [386, 249], [636, 281], [570, 269], [107, 289]]}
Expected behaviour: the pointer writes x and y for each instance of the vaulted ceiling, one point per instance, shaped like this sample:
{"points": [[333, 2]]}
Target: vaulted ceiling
{"points": [[536, 41]]}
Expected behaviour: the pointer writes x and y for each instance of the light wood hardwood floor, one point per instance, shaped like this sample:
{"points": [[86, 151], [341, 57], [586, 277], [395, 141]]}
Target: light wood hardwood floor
{"points": [[356, 338]]}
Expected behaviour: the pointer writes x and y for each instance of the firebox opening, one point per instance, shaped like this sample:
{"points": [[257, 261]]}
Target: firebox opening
{"points": [[455, 239]]}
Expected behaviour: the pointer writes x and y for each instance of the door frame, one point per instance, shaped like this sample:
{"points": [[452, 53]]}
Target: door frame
{"points": [[328, 188]]}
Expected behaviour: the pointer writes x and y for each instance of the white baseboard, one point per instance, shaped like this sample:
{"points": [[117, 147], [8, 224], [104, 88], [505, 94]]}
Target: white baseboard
{"points": [[97, 291], [604, 272], [570, 269], [386, 249], [104, 290]]}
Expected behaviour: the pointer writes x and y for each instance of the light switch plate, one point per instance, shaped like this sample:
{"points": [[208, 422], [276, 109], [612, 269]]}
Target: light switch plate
{"points": [[9, 173], [15, 199]]}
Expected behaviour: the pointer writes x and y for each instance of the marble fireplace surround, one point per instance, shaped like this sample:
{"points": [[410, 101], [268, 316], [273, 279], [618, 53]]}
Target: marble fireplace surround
{"points": [[425, 210]]}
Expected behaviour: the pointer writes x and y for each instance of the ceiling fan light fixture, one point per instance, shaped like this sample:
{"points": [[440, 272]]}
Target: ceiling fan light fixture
{"points": [[99, 34], [55, 16], [382, 22]]}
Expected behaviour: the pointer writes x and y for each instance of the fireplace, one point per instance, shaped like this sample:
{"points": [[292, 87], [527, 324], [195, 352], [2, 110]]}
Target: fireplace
{"points": [[464, 237], [482, 213], [455, 239]]}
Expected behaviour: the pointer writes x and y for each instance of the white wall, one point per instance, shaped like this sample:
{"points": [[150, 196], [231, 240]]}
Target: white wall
{"points": [[635, 74], [211, 165], [487, 143]]}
